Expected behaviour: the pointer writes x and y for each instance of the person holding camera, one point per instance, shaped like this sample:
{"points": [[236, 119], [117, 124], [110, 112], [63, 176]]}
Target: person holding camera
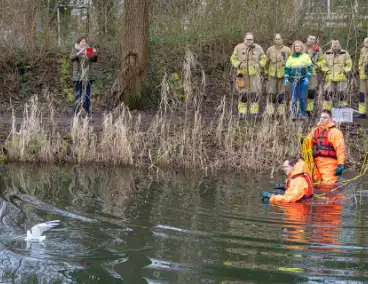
{"points": [[82, 57]]}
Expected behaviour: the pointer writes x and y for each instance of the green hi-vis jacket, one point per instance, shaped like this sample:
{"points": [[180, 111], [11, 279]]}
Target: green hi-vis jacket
{"points": [[298, 66]]}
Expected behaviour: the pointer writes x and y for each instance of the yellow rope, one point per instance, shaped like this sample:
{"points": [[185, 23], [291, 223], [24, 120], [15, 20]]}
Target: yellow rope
{"points": [[362, 172], [320, 196], [307, 154]]}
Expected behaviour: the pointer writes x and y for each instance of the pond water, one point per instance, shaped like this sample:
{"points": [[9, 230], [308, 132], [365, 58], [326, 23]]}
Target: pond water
{"points": [[123, 226]]}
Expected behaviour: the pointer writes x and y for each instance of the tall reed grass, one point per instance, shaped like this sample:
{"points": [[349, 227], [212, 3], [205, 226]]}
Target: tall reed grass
{"points": [[175, 137]]}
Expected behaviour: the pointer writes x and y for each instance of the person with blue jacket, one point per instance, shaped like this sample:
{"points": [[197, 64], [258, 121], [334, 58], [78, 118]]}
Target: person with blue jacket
{"points": [[298, 69]]}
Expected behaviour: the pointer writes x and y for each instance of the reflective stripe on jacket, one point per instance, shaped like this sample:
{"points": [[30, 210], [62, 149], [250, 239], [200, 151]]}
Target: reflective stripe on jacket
{"points": [[339, 64], [298, 66], [363, 64], [251, 59], [276, 60]]}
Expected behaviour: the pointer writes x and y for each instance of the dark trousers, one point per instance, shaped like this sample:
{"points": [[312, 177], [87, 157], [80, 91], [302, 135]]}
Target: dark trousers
{"points": [[82, 96]]}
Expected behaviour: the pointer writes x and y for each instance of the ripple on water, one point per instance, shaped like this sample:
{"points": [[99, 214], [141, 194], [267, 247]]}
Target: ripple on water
{"points": [[175, 231]]}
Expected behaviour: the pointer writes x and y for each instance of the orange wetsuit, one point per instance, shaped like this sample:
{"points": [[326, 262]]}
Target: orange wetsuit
{"points": [[298, 185], [328, 152]]}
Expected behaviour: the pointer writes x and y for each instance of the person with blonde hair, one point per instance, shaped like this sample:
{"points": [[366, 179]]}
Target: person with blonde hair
{"points": [[298, 70]]}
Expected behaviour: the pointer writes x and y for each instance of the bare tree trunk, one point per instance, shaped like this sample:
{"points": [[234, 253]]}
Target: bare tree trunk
{"points": [[105, 17], [134, 51]]}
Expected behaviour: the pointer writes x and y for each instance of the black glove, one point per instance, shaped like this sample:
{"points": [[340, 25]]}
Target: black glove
{"points": [[328, 72], [280, 186], [339, 170], [279, 192], [349, 75], [284, 55]]}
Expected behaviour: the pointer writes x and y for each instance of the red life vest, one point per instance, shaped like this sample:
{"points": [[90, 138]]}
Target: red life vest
{"points": [[308, 193], [322, 147]]}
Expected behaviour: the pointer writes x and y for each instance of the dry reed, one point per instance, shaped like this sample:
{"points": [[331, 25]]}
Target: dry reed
{"points": [[223, 143], [190, 141]]}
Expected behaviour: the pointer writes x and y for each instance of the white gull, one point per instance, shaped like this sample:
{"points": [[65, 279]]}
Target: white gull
{"points": [[35, 233]]}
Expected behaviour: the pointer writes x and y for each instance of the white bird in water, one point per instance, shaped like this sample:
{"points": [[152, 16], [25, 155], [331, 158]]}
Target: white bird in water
{"points": [[35, 233]]}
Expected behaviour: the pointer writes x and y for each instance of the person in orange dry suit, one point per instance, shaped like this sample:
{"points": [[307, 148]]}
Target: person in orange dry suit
{"points": [[298, 185], [328, 150]]}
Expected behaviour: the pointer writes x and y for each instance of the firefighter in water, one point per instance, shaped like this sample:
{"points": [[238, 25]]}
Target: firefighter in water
{"points": [[319, 67], [363, 75], [328, 148], [339, 66], [298, 186], [277, 55], [248, 58]]}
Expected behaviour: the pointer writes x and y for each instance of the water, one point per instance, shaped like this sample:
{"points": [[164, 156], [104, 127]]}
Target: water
{"points": [[120, 226]]}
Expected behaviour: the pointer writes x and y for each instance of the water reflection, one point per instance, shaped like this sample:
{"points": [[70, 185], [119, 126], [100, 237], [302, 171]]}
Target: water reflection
{"points": [[123, 226], [313, 224]]}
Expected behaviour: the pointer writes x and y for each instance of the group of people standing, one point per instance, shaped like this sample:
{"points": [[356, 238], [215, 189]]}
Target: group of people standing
{"points": [[304, 68], [307, 71]]}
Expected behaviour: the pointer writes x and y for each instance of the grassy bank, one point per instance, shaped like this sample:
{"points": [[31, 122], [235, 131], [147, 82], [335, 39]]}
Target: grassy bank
{"points": [[180, 134], [191, 142]]}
